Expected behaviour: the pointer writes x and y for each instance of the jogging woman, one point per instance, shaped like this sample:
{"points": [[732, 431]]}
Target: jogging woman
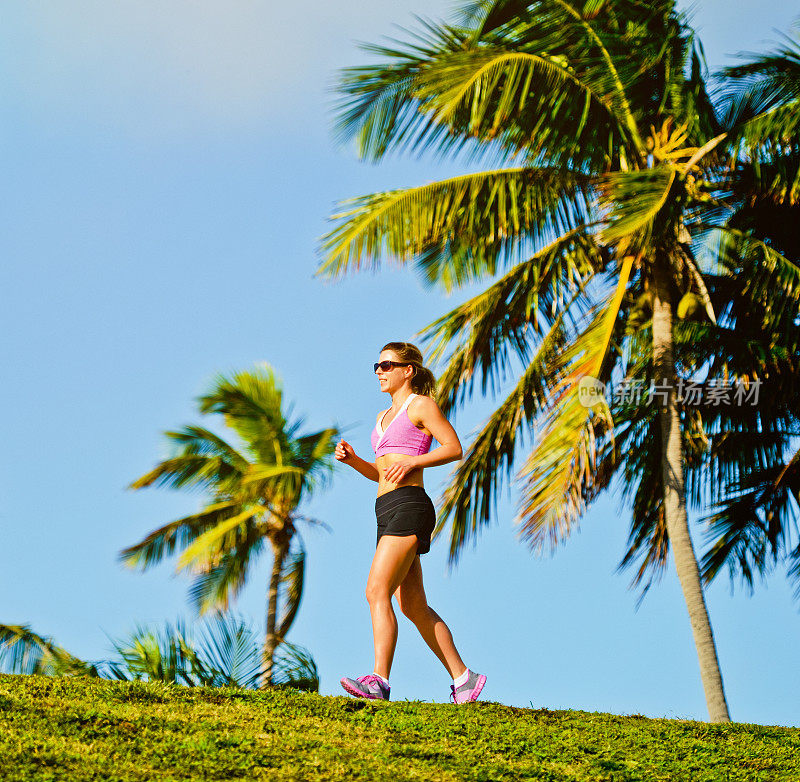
{"points": [[406, 518]]}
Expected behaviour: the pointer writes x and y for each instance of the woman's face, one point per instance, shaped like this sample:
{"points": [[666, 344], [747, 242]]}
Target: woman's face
{"points": [[393, 379]]}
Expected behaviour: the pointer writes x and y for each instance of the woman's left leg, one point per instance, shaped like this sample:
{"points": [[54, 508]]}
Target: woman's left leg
{"points": [[414, 604], [393, 557], [467, 685]]}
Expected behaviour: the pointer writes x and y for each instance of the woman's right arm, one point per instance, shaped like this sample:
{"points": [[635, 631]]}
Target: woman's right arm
{"points": [[344, 453]]}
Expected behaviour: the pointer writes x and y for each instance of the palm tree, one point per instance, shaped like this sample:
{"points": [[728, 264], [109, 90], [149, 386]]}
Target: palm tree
{"points": [[614, 182], [253, 494]]}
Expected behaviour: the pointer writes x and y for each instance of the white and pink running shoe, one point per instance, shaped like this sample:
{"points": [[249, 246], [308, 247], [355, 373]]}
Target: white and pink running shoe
{"points": [[470, 690], [370, 686]]}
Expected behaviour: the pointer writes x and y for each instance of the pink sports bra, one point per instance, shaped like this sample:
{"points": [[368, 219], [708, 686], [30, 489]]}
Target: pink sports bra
{"points": [[400, 436]]}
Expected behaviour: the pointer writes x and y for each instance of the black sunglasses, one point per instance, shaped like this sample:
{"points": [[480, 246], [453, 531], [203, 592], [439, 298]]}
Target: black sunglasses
{"points": [[387, 365]]}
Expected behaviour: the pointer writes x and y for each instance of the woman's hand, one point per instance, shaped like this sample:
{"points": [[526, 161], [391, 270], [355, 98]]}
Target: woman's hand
{"points": [[344, 452], [395, 473]]}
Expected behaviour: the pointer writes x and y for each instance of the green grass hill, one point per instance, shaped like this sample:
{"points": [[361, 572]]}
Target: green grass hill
{"points": [[84, 729]]}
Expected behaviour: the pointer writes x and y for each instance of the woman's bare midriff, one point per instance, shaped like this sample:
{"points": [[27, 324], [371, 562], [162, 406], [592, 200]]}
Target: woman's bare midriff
{"points": [[413, 478]]}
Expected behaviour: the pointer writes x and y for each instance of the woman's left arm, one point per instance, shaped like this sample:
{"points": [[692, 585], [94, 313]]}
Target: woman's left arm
{"points": [[428, 413]]}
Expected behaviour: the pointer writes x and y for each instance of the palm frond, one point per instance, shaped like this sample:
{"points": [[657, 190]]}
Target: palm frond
{"points": [[199, 441], [632, 201], [763, 116], [502, 320], [779, 125], [214, 587], [205, 462], [470, 497], [559, 471], [641, 480], [162, 654], [210, 547], [378, 104], [221, 652], [773, 281], [312, 454], [577, 98], [596, 41], [612, 67], [229, 652], [478, 217], [489, 92], [700, 285], [177, 534], [483, 17], [752, 523], [291, 587], [768, 193], [763, 94], [295, 667], [279, 483], [251, 402], [22, 651]]}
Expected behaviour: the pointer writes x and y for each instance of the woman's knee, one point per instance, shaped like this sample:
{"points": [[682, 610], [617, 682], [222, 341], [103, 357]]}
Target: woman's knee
{"points": [[377, 593]]}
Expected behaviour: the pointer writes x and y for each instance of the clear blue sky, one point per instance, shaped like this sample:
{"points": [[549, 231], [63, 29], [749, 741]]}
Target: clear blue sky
{"points": [[168, 170]]}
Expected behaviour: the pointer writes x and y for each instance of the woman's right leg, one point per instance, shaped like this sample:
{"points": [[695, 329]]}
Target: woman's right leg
{"points": [[393, 557], [413, 603]]}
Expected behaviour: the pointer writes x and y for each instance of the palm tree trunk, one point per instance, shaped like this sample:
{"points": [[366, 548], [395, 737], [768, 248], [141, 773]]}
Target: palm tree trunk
{"points": [[675, 497], [279, 550]]}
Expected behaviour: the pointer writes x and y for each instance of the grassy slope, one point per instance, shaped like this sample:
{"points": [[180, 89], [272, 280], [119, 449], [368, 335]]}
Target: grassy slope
{"points": [[90, 729]]}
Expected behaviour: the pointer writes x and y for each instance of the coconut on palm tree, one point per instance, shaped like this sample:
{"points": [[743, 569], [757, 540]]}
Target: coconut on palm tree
{"points": [[253, 490], [612, 170]]}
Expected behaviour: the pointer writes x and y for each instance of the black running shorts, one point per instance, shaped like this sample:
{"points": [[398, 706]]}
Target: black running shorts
{"points": [[406, 510]]}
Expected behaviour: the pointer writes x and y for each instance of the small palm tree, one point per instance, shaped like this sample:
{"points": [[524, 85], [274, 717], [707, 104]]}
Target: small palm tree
{"points": [[23, 651], [225, 653], [617, 175], [253, 494], [162, 654]]}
